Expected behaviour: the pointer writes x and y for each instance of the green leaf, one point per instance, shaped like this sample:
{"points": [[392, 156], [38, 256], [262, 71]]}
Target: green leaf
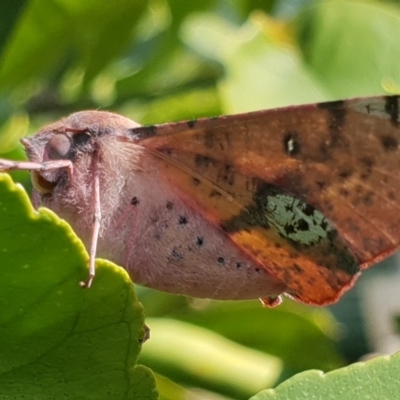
{"points": [[161, 52], [58, 340], [196, 356], [9, 11], [331, 51], [352, 46], [54, 34], [262, 69], [376, 379], [287, 331], [184, 105]]}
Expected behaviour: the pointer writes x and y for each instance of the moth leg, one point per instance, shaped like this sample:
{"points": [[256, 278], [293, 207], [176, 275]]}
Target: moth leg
{"points": [[96, 230]]}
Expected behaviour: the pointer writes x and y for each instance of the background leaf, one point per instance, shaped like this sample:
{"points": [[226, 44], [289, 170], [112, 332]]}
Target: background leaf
{"points": [[376, 379]]}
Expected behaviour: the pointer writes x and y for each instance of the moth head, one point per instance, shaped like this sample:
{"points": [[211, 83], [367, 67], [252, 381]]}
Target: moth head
{"points": [[75, 138]]}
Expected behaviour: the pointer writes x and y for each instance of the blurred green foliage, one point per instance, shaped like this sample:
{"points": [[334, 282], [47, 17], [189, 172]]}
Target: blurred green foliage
{"points": [[156, 61]]}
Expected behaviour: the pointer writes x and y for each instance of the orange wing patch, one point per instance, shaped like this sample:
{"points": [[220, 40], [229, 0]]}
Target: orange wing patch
{"points": [[317, 275]]}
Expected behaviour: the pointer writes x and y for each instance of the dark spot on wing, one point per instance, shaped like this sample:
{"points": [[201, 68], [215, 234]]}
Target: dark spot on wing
{"points": [[221, 260], [364, 175], [191, 123], [253, 215], [346, 173], [321, 184], [337, 113], [323, 149], [392, 109], [338, 119], [209, 138], [308, 210], [228, 175], [169, 205], [215, 193], [289, 207], [297, 268], [196, 181], [143, 132], [289, 229], [389, 143], [332, 235], [367, 161], [329, 105], [302, 225], [368, 199], [135, 201], [202, 161]]}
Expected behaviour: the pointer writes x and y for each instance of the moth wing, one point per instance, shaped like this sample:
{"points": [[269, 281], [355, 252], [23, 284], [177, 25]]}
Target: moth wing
{"points": [[310, 192]]}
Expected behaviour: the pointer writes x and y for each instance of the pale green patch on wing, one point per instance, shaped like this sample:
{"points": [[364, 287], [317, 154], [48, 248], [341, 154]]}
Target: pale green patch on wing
{"points": [[296, 220]]}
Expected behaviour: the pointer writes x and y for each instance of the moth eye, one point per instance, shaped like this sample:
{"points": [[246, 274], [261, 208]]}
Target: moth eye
{"points": [[58, 146], [41, 184]]}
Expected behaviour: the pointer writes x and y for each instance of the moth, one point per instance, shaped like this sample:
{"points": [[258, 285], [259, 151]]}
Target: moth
{"points": [[292, 201]]}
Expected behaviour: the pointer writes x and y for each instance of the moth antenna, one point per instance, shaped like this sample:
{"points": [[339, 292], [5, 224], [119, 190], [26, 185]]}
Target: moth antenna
{"points": [[7, 165], [96, 227]]}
